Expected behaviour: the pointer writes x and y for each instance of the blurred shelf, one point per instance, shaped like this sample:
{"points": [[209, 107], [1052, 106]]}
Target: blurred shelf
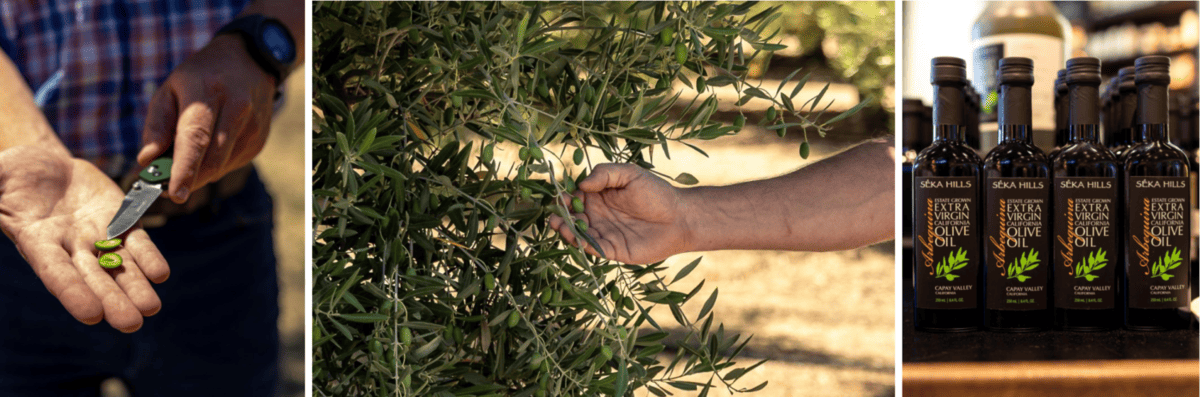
{"points": [[1165, 12], [1174, 378], [1111, 66]]}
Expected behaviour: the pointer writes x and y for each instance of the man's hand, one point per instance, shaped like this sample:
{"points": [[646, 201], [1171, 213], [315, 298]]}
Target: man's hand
{"points": [[54, 208], [634, 216], [215, 108], [842, 202]]}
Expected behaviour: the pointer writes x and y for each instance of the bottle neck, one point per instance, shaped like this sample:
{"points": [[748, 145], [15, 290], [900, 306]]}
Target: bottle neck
{"points": [[1085, 133], [1151, 115], [1015, 108], [949, 133], [1084, 122], [1125, 109], [1152, 133], [948, 112]]}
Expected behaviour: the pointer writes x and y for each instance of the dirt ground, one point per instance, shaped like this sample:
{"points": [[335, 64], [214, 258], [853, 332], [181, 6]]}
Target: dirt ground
{"points": [[825, 321]]}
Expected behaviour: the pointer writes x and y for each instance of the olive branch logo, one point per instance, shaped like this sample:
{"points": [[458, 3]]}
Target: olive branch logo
{"points": [[1022, 264], [1095, 261], [952, 262], [1168, 262]]}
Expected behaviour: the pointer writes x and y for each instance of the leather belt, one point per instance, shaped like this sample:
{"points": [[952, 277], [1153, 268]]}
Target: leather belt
{"points": [[204, 198]]}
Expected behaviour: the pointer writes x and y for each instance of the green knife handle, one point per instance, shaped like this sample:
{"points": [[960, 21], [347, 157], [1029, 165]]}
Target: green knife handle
{"points": [[161, 173]]}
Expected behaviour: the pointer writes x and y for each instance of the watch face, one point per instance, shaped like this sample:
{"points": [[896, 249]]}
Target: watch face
{"points": [[278, 42]]}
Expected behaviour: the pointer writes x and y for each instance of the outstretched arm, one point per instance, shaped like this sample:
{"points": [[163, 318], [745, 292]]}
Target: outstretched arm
{"points": [[842, 202], [53, 207]]}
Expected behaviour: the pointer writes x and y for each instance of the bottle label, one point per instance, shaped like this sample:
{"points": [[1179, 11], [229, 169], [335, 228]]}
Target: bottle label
{"points": [[1047, 55], [947, 243], [1017, 243], [1159, 242], [1085, 243]]}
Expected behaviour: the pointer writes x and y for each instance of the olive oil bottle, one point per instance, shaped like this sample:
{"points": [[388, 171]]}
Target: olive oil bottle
{"points": [[946, 265], [1124, 109], [1061, 104], [1085, 212], [1016, 234], [1158, 219]]}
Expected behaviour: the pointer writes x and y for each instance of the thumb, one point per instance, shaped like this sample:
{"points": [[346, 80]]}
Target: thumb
{"points": [[610, 176], [159, 129]]}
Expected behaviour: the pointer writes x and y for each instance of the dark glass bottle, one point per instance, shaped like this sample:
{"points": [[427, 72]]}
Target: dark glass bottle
{"points": [[1110, 96], [1061, 102], [1158, 221], [946, 260], [1017, 218], [1124, 110], [1086, 235]]}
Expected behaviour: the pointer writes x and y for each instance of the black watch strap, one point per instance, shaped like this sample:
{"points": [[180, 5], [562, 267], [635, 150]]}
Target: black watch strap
{"points": [[250, 28]]}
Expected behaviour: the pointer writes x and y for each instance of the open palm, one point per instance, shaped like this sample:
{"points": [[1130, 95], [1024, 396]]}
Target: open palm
{"points": [[53, 208], [634, 216]]}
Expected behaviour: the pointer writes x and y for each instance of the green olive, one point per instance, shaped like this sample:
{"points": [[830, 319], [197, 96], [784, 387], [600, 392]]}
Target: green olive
{"points": [[489, 281], [578, 156], [804, 150], [526, 193], [581, 225], [513, 319], [488, 152], [680, 53], [569, 185], [666, 35], [740, 121], [110, 260], [406, 336], [523, 154], [536, 153], [108, 245], [700, 84], [577, 205]]}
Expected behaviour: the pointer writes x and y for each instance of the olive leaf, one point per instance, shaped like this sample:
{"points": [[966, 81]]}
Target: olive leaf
{"points": [[954, 261], [1095, 261], [1026, 262], [1169, 261]]}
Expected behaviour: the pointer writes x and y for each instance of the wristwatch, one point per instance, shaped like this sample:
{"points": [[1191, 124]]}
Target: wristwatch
{"points": [[268, 41]]}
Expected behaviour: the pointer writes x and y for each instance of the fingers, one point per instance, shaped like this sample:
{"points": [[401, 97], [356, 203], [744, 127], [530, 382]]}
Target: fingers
{"points": [[159, 128], [150, 261], [119, 310], [609, 176], [194, 134], [131, 280], [53, 266], [231, 119]]}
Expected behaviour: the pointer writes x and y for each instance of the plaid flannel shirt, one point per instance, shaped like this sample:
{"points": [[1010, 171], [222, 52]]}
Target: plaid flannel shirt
{"points": [[93, 65]]}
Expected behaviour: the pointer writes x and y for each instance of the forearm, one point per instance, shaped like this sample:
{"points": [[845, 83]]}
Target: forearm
{"points": [[291, 14], [842, 202], [23, 123]]}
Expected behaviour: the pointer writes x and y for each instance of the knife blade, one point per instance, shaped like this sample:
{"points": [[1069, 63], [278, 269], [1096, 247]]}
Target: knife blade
{"points": [[143, 193], [139, 198]]}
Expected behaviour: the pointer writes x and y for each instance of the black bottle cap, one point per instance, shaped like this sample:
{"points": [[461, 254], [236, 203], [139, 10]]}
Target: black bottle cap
{"points": [[1125, 77], [948, 70], [1154, 69], [1083, 70], [1015, 71], [1060, 83]]}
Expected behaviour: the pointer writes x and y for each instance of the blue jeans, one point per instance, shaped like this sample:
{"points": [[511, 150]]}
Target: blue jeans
{"points": [[215, 335]]}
